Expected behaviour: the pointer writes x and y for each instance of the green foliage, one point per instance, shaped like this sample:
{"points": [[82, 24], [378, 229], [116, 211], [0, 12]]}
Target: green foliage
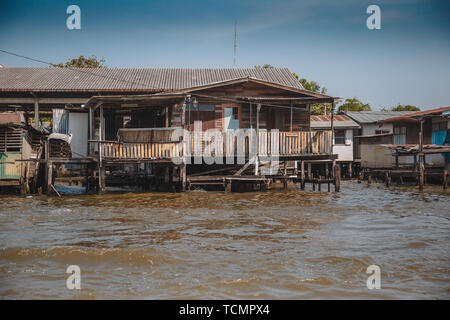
{"points": [[354, 105], [406, 107], [264, 66], [82, 62]]}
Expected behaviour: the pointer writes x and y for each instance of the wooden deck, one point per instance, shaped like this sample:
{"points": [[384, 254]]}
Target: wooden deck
{"points": [[308, 144]]}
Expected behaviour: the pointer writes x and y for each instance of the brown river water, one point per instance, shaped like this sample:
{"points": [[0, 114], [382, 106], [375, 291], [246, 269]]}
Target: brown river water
{"points": [[215, 245]]}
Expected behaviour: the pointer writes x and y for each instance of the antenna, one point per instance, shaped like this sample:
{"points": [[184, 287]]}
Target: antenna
{"points": [[235, 37]]}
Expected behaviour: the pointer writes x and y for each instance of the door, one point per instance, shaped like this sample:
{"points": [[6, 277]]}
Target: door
{"points": [[231, 118]]}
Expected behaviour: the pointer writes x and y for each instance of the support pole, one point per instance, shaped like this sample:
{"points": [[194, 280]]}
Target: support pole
{"points": [[292, 112], [337, 178], [333, 105], [36, 112], [309, 171], [421, 157], [302, 175], [101, 168], [258, 109], [49, 177]]}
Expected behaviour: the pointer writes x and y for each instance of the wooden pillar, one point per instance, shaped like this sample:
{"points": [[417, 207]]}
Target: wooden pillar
{"points": [[309, 171], [421, 157], [292, 113], [101, 168], [36, 112], [387, 179], [183, 177], [302, 175], [445, 177], [251, 116], [332, 127], [285, 175], [350, 169], [327, 173], [49, 176], [337, 178], [258, 109]]}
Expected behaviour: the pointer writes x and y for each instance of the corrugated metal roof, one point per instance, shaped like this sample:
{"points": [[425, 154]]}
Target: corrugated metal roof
{"points": [[131, 79], [340, 121], [373, 116], [7, 118]]}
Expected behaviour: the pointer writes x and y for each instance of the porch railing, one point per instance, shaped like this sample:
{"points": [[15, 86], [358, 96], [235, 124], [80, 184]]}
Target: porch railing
{"points": [[269, 143]]}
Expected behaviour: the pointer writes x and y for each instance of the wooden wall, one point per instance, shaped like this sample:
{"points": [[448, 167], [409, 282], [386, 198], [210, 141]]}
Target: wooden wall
{"points": [[300, 120]]}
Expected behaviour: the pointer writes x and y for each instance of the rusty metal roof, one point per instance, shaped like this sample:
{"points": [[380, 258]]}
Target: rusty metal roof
{"points": [[132, 79], [339, 121], [11, 118]]}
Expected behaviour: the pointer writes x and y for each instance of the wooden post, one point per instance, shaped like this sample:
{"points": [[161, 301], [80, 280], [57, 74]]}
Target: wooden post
{"points": [[36, 112], [387, 179], [183, 177], [421, 157], [258, 109], [49, 177], [302, 175], [292, 111], [251, 116], [309, 171], [332, 127], [327, 173], [101, 168], [445, 178], [285, 175], [337, 178], [350, 169]]}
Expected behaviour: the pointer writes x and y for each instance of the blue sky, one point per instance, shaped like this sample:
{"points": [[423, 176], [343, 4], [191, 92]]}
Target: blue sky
{"points": [[407, 61]]}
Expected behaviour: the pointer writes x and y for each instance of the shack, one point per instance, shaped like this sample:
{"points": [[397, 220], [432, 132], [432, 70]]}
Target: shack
{"points": [[343, 143], [18, 144], [139, 129], [416, 148]]}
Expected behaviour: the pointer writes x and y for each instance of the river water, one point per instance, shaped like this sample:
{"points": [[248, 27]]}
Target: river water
{"points": [[259, 245]]}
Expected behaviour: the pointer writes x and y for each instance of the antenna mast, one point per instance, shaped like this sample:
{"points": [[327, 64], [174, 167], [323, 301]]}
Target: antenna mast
{"points": [[235, 37]]}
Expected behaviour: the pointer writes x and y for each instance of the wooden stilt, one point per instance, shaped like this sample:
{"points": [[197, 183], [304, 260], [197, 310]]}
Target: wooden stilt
{"points": [[49, 177], [421, 171], [309, 171], [183, 177], [302, 175], [337, 178], [101, 179], [387, 179], [350, 169], [445, 178]]}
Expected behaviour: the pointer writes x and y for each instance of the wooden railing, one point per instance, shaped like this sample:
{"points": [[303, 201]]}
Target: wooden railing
{"points": [[113, 150], [269, 143]]}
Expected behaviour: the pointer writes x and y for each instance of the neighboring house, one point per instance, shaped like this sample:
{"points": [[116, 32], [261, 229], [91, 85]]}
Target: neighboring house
{"points": [[344, 131], [371, 125], [34, 90], [18, 142], [406, 137]]}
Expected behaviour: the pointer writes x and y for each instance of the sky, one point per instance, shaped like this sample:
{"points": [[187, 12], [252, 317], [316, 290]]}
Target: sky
{"points": [[407, 61]]}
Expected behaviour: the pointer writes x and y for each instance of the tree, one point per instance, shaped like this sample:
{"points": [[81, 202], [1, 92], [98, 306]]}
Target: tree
{"points": [[82, 62], [316, 109], [354, 105], [406, 107], [264, 66]]}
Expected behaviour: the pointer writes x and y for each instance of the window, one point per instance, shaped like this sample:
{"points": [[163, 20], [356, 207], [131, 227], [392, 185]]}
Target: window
{"points": [[381, 131], [400, 135], [339, 136]]}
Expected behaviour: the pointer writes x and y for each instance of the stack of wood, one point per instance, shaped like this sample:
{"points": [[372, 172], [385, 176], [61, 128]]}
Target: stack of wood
{"points": [[59, 149]]}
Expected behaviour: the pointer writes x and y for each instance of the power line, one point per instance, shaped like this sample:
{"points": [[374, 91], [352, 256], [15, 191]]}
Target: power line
{"points": [[75, 69]]}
